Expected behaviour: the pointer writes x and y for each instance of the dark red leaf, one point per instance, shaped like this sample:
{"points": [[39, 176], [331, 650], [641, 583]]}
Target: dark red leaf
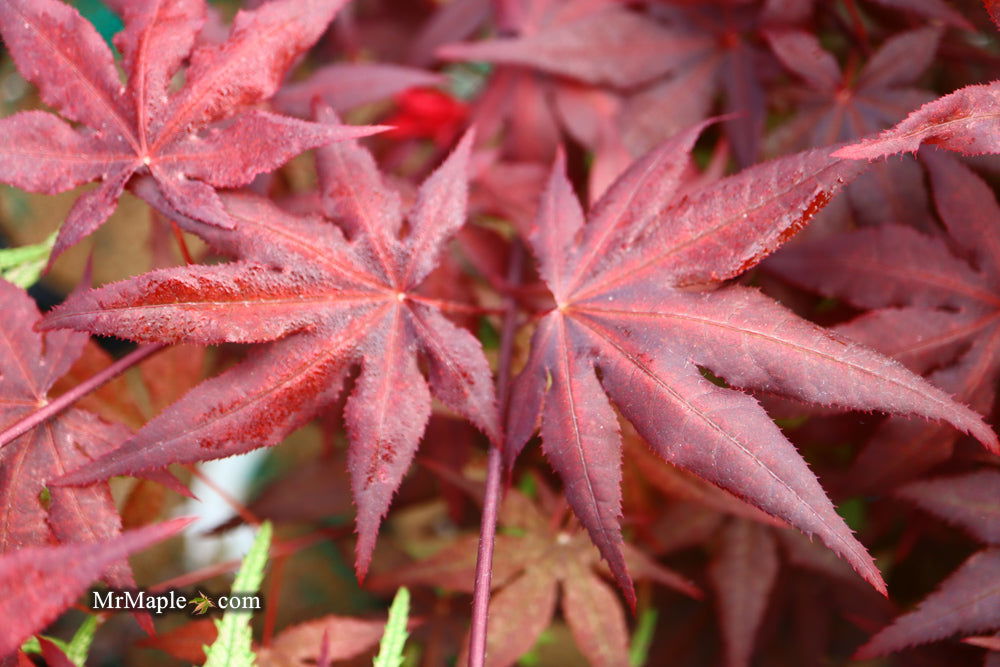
{"points": [[30, 363], [971, 501], [934, 311], [593, 42], [743, 573]]}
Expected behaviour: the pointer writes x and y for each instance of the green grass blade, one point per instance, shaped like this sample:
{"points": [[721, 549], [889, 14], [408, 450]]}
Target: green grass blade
{"points": [[390, 650], [638, 652], [234, 645], [78, 647]]}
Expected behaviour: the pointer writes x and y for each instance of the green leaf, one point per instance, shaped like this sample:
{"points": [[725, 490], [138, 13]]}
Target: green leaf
{"points": [[23, 266], [234, 645], [31, 645], [78, 647], [638, 652], [390, 650]]}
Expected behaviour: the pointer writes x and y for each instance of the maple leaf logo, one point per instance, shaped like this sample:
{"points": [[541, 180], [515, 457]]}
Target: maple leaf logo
{"points": [[202, 603], [203, 137]]}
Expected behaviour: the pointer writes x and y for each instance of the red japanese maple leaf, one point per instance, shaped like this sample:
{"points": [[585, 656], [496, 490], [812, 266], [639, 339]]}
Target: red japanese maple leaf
{"points": [[968, 601], [322, 641], [634, 321], [342, 638], [204, 136], [345, 86], [747, 570], [328, 303], [934, 310], [597, 41], [30, 364], [838, 106]]}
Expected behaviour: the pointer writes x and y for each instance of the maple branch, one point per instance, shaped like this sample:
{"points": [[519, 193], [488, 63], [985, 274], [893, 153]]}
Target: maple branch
{"points": [[491, 497], [53, 408], [271, 606], [239, 508], [181, 243]]}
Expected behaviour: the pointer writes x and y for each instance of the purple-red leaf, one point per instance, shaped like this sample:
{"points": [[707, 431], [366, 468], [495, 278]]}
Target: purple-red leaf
{"points": [[935, 312], [595, 618], [343, 637], [743, 573], [971, 501], [346, 86], [611, 46]]}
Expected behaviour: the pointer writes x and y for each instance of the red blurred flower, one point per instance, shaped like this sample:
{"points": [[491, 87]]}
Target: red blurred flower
{"points": [[426, 113]]}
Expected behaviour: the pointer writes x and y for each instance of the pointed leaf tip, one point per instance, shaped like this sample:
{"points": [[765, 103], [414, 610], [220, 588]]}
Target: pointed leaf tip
{"points": [[966, 121]]}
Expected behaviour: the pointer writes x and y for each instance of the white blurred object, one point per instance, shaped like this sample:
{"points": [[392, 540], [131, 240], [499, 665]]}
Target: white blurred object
{"points": [[233, 475]]}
